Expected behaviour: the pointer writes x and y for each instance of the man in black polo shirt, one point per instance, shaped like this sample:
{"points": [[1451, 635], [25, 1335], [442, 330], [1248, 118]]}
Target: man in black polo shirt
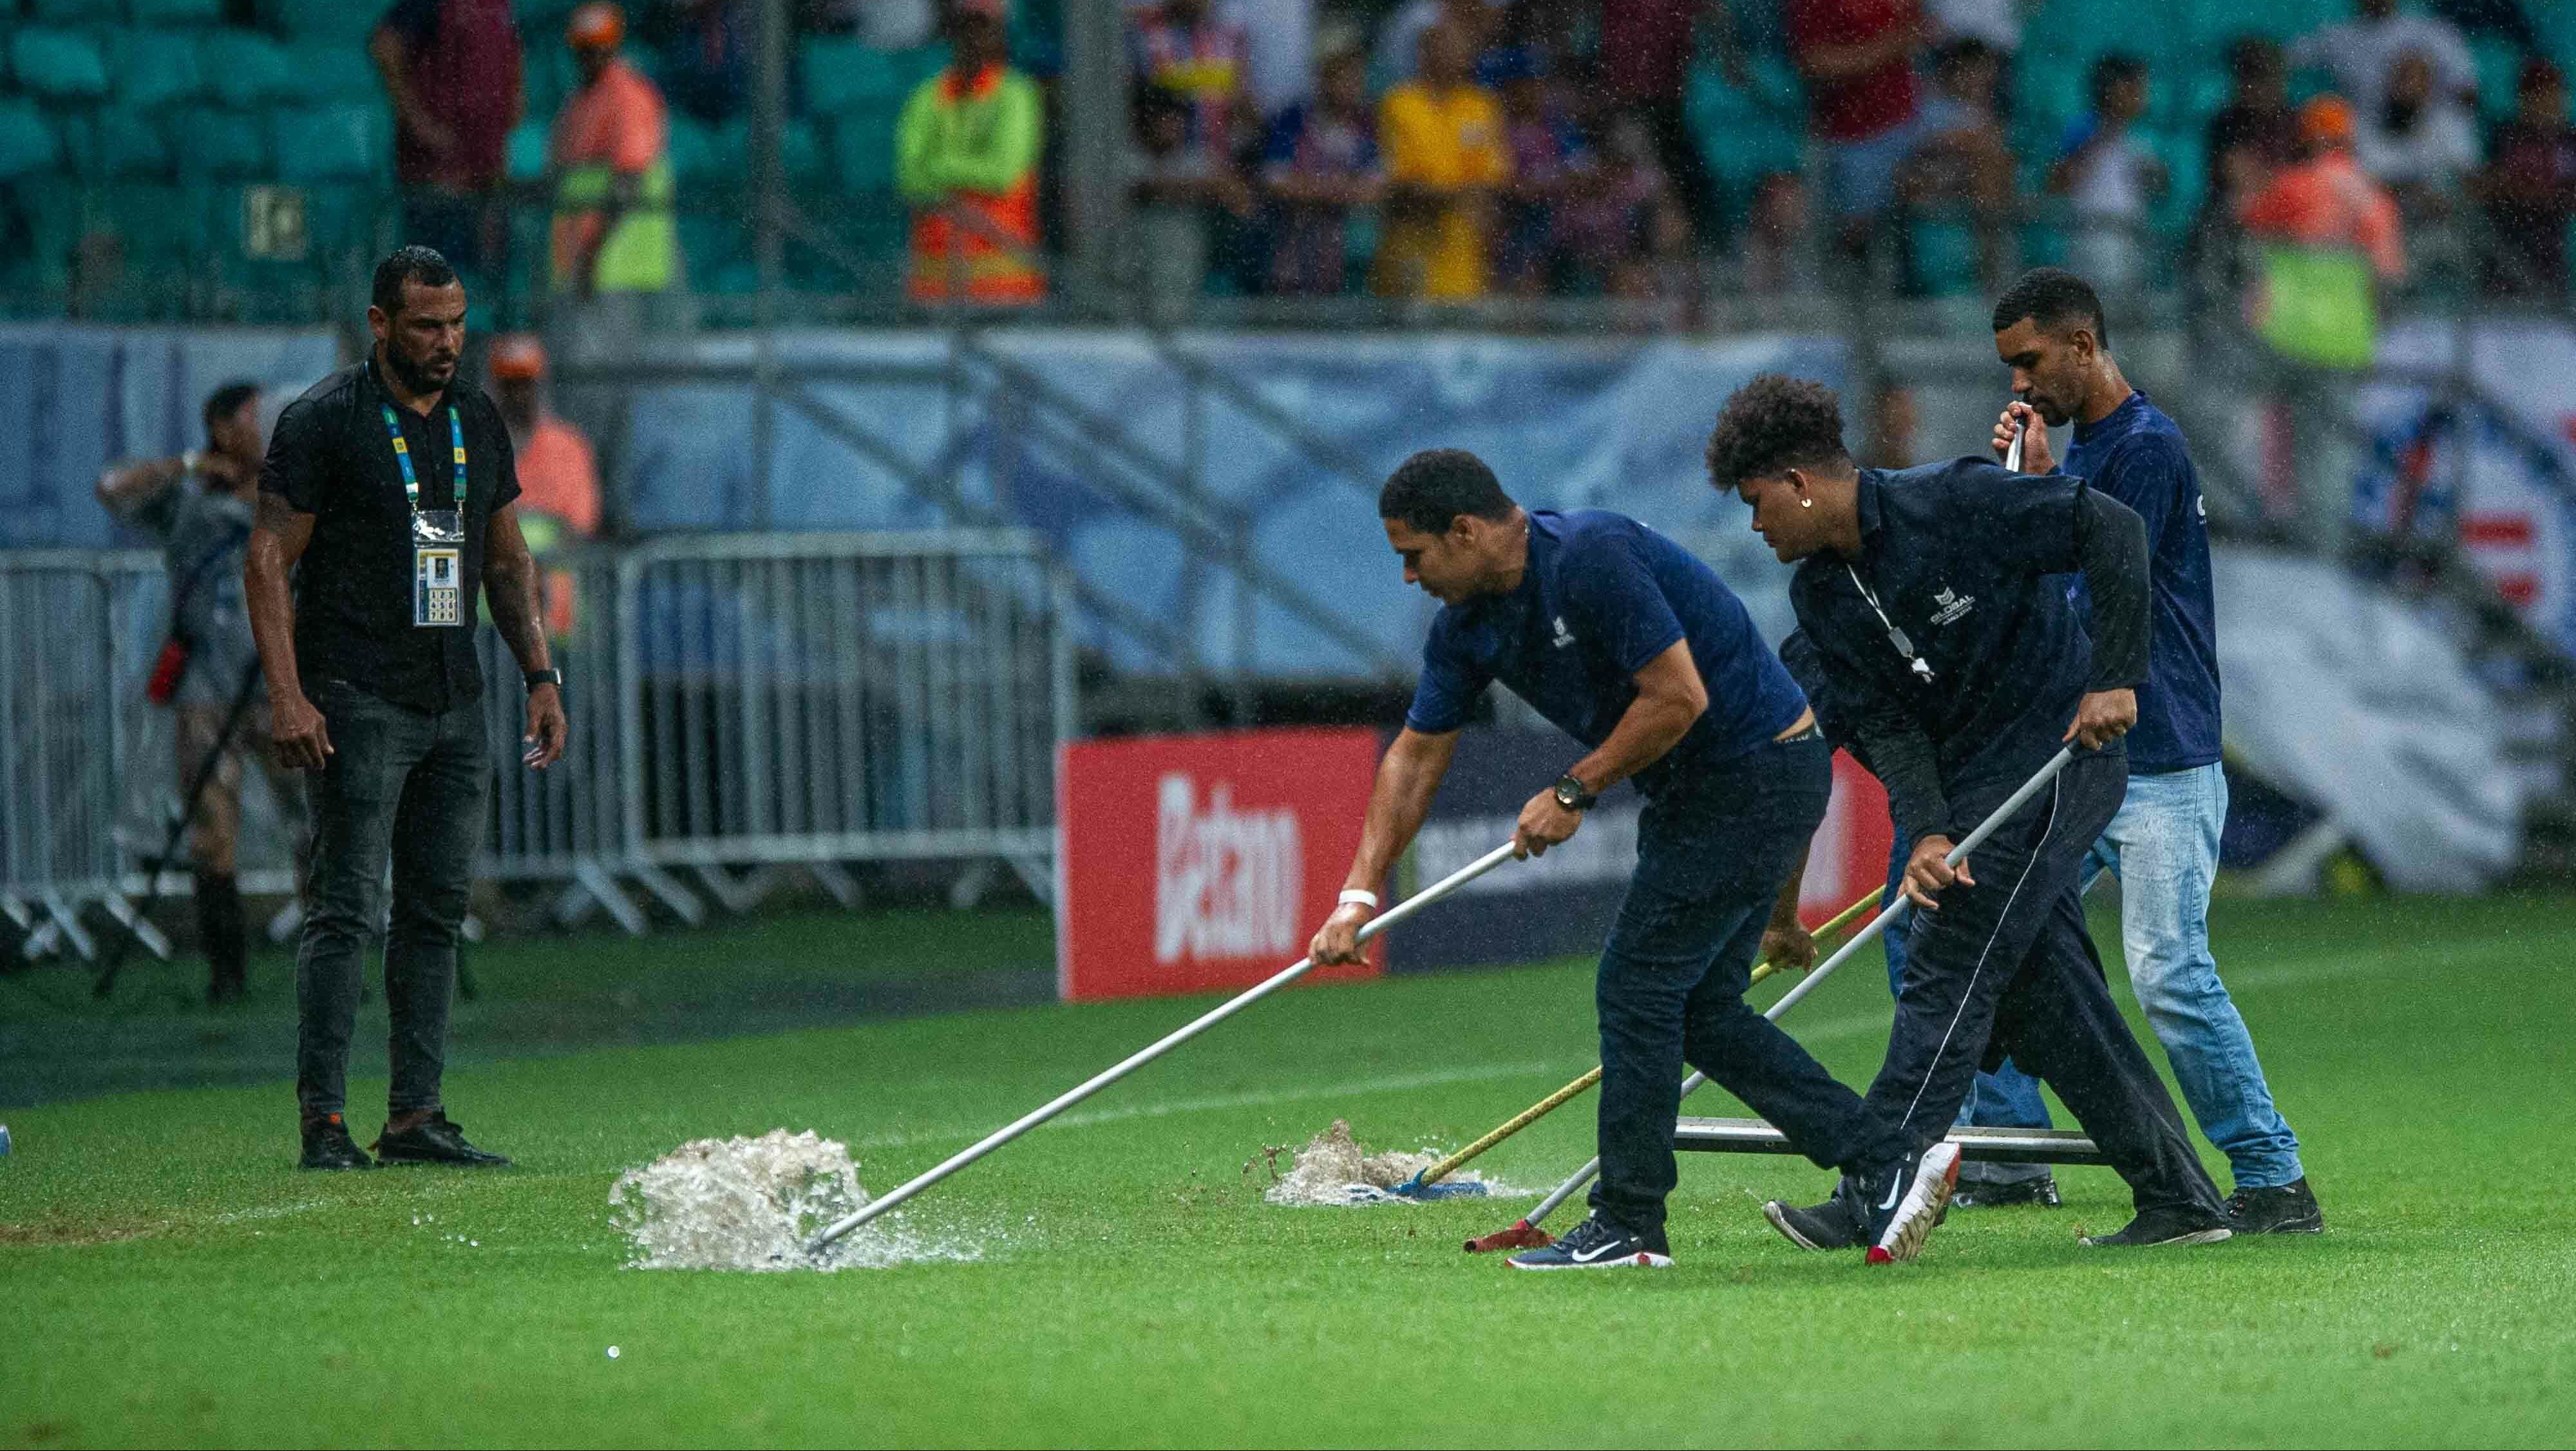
{"points": [[390, 484], [1960, 666]]}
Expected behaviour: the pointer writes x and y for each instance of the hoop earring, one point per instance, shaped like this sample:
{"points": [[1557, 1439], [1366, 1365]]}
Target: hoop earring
{"points": [[1806, 503]]}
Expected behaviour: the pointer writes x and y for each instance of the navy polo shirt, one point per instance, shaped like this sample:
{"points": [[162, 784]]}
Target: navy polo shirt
{"points": [[1603, 595], [1962, 556], [2137, 456]]}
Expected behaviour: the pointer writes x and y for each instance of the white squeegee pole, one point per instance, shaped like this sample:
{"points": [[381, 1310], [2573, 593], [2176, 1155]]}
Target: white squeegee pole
{"points": [[1160, 1046], [1807, 984]]}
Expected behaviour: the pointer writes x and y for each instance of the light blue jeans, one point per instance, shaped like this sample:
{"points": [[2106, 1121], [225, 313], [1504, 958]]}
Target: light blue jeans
{"points": [[2163, 846]]}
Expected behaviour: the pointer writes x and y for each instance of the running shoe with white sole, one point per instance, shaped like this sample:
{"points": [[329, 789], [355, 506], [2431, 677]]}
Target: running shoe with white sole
{"points": [[1835, 1224], [1909, 1200], [2163, 1226], [1597, 1245]]}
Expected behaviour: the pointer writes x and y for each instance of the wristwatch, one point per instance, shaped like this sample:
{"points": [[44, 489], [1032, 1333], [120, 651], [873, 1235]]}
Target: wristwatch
{"points": [[545, 677], [1573, 795]]}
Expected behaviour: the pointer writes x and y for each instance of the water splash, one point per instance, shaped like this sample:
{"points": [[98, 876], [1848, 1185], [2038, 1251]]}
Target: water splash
{"points": [[755, 1204], [1336, 1169]]}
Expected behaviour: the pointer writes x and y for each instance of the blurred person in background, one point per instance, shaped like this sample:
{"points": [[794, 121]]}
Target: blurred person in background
{"points": [[1863, 103], [1174, 192], [558, 474], [1548, 159], [1398, 56], [1279, 53], [2325, 199], [389, 495], [615, 243], [1445, 163], [2253, 135], [2110, 177], [452, 72], [198, 508], [2361, 53], [2529, 189], [1186, 48], [2420, 144], [966, 157], [1963, 158], [1619, 219], [1321, 165], [1646, 50], [705, 48]]}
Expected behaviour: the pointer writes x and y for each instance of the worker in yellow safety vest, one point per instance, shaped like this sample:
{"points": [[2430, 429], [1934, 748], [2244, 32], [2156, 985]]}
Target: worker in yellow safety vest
{"points": [[611, 160], [966, 157]]}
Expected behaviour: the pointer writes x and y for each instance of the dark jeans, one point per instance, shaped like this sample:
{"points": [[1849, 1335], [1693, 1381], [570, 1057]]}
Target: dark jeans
{"points": [[1671, 990], [2007, 966], [410, 787]]}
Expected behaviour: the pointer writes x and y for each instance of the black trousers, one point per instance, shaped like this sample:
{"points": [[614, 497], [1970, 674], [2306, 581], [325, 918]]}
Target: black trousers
{"points": [[1710, 859], [2006, 968]]}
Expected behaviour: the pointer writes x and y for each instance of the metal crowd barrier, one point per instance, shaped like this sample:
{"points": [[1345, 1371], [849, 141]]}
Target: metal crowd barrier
{"points": [[740, 705]]}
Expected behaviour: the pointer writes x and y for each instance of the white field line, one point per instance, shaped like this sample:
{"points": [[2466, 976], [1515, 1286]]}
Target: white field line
{"points": [[2292, 972]]}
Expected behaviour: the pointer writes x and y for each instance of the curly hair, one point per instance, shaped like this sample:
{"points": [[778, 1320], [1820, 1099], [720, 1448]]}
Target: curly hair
{"points": [[1775, 422]]}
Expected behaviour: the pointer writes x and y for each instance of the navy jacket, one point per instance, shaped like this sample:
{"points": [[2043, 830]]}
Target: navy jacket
{"points": [[1960, 558]]}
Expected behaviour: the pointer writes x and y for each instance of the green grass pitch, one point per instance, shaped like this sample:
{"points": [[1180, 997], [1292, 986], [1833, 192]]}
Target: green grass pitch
{"points": [[166, 1277]]}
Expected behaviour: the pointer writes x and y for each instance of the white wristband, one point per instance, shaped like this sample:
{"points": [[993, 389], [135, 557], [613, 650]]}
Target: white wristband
{"points": [[1355, 897]]}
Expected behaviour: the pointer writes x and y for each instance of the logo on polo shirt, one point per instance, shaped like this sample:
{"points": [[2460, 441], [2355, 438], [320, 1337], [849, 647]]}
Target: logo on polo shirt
{"points": [[1564, 636], [1952, 605]]}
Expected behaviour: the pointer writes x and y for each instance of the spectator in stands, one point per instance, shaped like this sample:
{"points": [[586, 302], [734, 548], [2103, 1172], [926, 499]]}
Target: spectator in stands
{"points": [[2110, 177], [1175, 190], [2419, 144], [1548, 159], [558, 476], [1646, 48], [1321, 164], [2326, 200], [198, 508], [1399, 41], [1620, 223], [706, 54], [2246, 140], [1963, 158], [451, 69], [2529, 189], [1184, 47], [1862, 102], [1279, 53], [1994, 23], [2360, 54], [966, 157], [1443, 138], [615, 240]]}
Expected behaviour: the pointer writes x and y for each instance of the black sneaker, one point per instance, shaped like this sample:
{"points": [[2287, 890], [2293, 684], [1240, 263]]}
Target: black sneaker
{"points": [[434, 1140], [1835, 1224], [1598, 1245], [2286, 1209], [2156, 1227], [1907, 1200], [327, 1145], [2003, 1193]]}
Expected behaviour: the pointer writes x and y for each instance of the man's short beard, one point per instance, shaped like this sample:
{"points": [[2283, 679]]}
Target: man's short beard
{"points": [[414, 376]]}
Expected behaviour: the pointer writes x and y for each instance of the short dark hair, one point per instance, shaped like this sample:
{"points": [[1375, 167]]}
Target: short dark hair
{"points": [[2053, 298], [2109, 71], [226, 401], [1428, 491], [407, 265], [1773, 423]]}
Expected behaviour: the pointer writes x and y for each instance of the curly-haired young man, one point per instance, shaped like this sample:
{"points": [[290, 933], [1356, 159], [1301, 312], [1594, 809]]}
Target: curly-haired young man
{"points": [[1960, 667]]}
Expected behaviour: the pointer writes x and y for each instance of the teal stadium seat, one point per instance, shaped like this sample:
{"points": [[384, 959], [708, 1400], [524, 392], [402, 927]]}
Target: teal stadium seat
{"points": [[2499, 73], [28, 144], [525, 157], [49, 218], [697, 157], [349, 20], [348, 141], [76, 12], [863, 145], [243, 68], [215, 144], [332, 70], [154, 67], [59, 65], [840, 75], [2557, 23], [1944, 256], [120, 141], [176, 12], [162, 226]]}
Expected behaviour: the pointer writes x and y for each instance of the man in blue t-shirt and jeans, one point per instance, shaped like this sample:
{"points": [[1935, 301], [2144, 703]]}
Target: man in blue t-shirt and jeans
{"points": [[2163, 844], [1633, 647]]}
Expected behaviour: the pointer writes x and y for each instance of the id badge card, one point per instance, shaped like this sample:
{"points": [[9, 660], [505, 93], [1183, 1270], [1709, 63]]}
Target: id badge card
{"points": [[438, 568]]}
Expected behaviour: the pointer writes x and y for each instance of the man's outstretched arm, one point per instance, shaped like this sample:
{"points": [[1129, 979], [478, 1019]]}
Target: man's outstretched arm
{"points": [[1407, 777]]}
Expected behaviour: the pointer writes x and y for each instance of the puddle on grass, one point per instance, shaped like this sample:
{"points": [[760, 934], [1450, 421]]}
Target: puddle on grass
{"points": [[754, 1204], [1336, 1170]]}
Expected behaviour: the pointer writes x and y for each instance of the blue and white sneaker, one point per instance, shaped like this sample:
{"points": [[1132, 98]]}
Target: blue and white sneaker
{"points": [[1597, 1245]]}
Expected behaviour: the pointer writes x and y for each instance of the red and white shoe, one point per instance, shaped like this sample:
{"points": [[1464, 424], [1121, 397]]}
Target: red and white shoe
{"points": [[1909, 1201]]}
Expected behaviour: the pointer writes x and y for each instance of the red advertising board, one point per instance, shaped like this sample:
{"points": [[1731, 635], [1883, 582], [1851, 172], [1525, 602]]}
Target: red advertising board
{"points": [[1189, 863], [1849, 856]]}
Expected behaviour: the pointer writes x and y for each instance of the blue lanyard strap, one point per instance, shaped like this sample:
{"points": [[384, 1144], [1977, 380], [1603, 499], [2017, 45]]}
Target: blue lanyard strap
{"points": [[402, 455]]}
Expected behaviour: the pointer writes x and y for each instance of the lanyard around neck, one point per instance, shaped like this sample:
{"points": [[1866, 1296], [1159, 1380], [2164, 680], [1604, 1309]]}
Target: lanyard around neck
{"points": [[1895, 636], [402, 456]]}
